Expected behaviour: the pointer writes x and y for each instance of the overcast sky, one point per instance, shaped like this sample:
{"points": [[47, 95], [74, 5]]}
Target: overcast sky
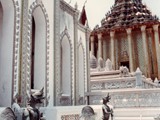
{"points": [[96, 9]]}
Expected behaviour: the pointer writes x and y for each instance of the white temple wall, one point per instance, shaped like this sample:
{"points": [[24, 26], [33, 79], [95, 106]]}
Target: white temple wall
{"points": [[66, 67], [6, 53], [47, 25], [81, 71], [67, 63], [67, 22], [49, 5], [82, 62]]}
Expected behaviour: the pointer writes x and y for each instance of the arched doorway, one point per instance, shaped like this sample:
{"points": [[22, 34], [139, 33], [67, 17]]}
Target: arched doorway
{"points": [[38, 52], [6, 51]]}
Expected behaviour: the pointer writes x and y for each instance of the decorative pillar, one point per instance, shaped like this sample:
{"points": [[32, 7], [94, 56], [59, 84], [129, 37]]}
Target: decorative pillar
{"points": [[129, 30], [100, 45], [74, 88], [57, 53], [25, 86], [156, 37], [151, 53], [104, 50], [92, 45], [146, 58], [112, 48], [87, 65]]}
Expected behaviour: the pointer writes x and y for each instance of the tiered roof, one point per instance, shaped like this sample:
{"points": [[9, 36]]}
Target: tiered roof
{"points": [[127, 13]]}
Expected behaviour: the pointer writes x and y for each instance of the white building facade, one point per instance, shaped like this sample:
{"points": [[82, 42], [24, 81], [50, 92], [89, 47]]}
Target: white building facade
{"points": [[43, 44]]}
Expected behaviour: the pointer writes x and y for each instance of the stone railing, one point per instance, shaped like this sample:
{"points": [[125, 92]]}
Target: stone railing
{"points": [[118, 80], [128, 98], [120, 83], [116, 83]]}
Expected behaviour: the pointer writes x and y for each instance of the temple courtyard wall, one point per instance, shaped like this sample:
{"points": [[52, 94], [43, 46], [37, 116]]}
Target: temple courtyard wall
{"points": [[74, 112]]}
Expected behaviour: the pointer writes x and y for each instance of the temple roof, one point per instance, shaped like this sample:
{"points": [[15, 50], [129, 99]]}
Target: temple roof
{"points": [[83, 17], [127, 13]]}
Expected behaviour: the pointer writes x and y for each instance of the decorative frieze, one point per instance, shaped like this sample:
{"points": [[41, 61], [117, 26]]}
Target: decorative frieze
{"points": [[70, 117], [113, 84], [16, 47]]}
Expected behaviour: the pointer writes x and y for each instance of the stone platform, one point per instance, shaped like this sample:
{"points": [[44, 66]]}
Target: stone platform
{"points": [[73, 113]]}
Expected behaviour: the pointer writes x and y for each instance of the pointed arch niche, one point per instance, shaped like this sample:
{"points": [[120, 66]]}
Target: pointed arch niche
{"points": [[66, 66], [38, 49], [81, 72], [7, 12]]}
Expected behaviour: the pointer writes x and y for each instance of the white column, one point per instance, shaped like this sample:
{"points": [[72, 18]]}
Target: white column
{"points": [[156, 37], [129, 30], [92, 45], [104, 50], [112, 48], [146, 58], [100, 45]]}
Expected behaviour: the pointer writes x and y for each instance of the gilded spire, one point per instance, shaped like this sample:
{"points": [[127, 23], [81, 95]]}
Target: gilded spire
{"points": [[127, 13]]}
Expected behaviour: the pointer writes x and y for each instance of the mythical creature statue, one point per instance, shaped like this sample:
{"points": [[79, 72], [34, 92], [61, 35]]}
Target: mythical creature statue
{"points": [[124, 72], [7, 114], [107, 111], [31, 112]]}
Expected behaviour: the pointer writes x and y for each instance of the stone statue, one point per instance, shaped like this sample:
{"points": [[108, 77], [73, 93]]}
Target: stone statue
{"points": [[100, 64], [124, 72], [87, 113], [31, 112], [108, 65], [7, 114], [107, 111]]}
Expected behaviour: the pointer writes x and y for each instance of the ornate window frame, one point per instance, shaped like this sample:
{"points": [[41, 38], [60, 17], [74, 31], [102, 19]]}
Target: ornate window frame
{"points": [[32, 7]]}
